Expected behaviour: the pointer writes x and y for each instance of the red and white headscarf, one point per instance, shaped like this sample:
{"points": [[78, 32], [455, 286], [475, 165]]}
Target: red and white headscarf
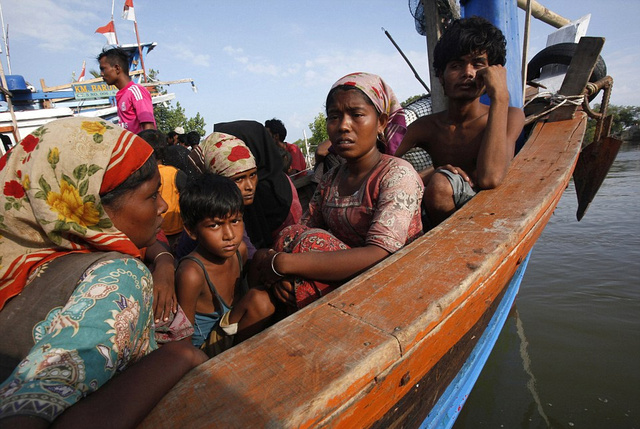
{"points": [[382, 96], [50, 195], [226, 155]]}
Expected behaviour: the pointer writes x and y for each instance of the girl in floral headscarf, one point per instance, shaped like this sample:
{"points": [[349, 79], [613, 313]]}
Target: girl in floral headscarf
{"points": [[361, 212], [73, 188]]}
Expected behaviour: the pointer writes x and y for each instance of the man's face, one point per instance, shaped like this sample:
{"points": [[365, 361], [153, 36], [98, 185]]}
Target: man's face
{"points": [[108, 72], [459, 78]]}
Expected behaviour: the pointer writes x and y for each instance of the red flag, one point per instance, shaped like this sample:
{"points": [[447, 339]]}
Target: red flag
{"points": [[128, 12], [109, 32], [84, 66]]}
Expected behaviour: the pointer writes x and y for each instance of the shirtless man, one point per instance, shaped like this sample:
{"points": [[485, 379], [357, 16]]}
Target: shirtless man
{"points": [[471, 144]]}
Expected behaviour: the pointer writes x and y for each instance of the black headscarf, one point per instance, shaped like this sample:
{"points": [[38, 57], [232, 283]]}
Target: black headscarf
{"points": [[272, 202]]}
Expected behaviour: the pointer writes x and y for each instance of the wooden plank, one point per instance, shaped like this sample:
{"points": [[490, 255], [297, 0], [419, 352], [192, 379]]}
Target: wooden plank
{"points": [[294, 372], [433, 25], [578, 74]]}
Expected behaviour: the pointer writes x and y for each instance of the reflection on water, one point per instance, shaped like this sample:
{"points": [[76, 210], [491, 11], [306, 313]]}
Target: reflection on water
{"points": [[572, 356]]}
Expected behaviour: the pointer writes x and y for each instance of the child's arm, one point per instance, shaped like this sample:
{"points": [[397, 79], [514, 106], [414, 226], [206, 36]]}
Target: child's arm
{"points": [[189, 280], [504, 125]]}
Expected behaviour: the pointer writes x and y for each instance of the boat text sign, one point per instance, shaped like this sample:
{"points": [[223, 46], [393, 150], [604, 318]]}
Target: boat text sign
{"points": [[83, 91]]}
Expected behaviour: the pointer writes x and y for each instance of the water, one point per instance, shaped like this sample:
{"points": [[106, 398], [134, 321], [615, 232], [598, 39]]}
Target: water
{"points": [[569, 354]]}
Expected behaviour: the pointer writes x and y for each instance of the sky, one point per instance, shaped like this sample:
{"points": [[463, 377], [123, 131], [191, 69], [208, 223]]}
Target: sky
{"points": [[258, 60]]}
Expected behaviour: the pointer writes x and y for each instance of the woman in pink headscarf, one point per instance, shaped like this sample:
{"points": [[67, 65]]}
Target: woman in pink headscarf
{"points": [[362, 211]]}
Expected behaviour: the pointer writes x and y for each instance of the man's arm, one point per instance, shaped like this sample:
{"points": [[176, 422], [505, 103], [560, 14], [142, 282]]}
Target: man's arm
{"points": [[504, 125]]}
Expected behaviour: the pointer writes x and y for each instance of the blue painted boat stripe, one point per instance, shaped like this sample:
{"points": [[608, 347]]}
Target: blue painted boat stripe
{"points": [[446, 410]]}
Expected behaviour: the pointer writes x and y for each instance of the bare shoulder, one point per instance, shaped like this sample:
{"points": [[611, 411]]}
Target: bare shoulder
{"points": [[244, 252], [418, 131], [423, 123], [189, 275]]}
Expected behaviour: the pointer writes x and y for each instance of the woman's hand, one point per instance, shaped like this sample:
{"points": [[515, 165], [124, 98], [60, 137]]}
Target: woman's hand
{"points": [[164, 291], [285, 292], [262, 268]]}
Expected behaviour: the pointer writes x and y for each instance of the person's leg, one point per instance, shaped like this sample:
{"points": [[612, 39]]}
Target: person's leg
{"points": [[438, 199], [252, 313]]}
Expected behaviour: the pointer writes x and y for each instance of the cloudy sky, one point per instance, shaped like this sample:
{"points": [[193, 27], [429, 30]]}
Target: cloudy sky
{"points": [[261, 59]]}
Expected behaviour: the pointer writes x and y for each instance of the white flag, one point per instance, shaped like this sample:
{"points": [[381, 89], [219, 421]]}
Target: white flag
{"points": [[128, 12]]}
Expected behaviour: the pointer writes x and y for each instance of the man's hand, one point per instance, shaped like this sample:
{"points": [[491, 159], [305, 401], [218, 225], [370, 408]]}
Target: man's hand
{"points": [[494, 79], [457, 170]]}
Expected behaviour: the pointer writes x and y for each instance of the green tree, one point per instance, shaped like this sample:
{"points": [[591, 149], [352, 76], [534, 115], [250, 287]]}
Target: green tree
{"points": [[411, 99], [318, 130], [624, 117], [169, 117]]}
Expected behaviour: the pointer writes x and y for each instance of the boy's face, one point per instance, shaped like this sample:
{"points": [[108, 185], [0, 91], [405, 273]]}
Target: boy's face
{"points": [[459, 78], [220, 237], [247, 182]]}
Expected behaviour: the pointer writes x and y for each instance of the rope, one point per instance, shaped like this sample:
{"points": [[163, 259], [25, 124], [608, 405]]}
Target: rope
{"points": [[555, 101]]}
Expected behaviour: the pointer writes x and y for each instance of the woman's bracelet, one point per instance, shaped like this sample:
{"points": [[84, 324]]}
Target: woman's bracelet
{"points": [[163, 253], [273, 266]]}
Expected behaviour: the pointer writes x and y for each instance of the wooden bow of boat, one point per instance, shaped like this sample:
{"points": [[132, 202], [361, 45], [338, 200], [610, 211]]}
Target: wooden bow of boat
{"points": [[400, 330]]}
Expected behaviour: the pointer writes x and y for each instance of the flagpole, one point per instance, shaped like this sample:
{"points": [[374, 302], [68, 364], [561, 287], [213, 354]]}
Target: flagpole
{"points": [[113, 5], [144, 72], [4, 38]]}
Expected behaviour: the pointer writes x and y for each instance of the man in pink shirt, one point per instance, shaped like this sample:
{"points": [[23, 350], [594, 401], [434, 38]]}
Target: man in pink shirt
{"points": [[135, 109]]}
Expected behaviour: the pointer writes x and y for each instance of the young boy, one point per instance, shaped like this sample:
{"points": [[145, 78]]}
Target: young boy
{"points": [[210, 284], [471, 144]]}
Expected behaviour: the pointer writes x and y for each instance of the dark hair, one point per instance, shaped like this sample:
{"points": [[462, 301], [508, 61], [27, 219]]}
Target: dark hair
{"points": [[183, 139], [116, 56], [276, 127], [466, 36], [157, 140], [209, 195], [170, 134], [137, 178], [286, 159], [193, 138]]}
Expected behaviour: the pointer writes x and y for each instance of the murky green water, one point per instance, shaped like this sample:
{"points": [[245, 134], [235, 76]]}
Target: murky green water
{"points": [[569, 354]]}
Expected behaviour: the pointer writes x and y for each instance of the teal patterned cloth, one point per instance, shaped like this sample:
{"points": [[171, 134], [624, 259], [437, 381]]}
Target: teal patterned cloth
{"points": [[106, 325]]}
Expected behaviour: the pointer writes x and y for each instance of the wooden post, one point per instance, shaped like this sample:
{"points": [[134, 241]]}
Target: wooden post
{"points": [[578, 74], [433, 24], [544, 14]]}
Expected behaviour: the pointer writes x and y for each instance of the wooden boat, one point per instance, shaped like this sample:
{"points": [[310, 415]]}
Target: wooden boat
{"points": [[384, 347], [23, 108], [401, 344]]}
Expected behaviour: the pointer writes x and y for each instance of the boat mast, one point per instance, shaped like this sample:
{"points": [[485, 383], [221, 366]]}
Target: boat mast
{"points": [[5, 89], [4, 39]]}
